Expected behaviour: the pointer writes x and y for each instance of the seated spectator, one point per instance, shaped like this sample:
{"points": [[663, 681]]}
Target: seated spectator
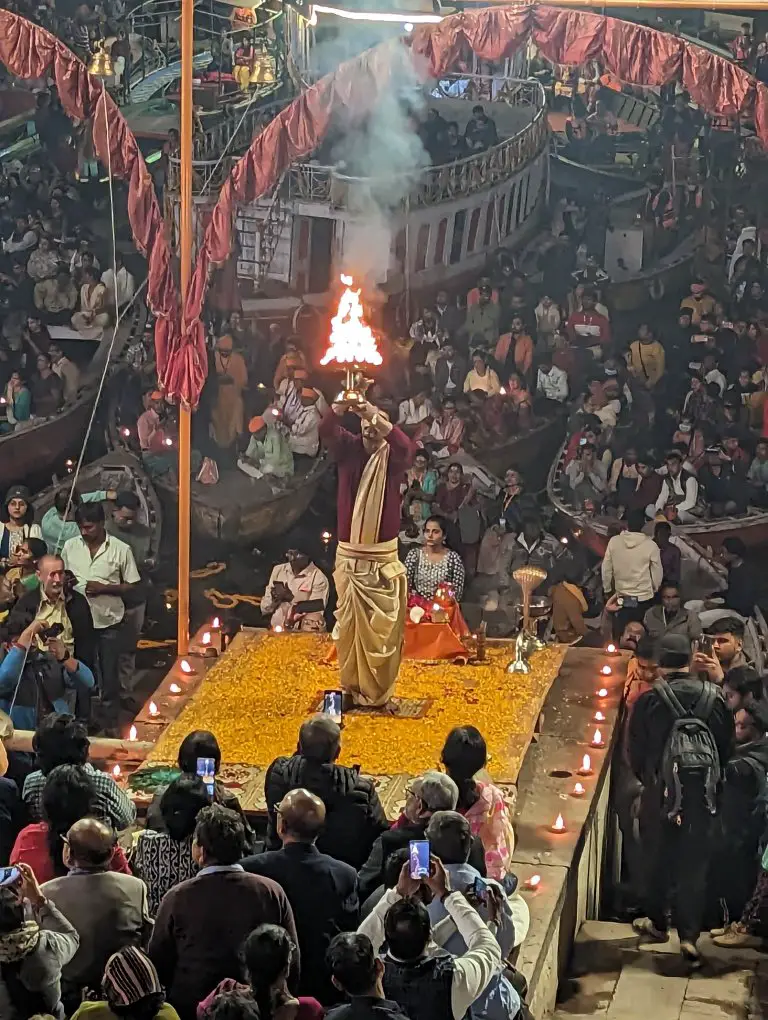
{"points": [[454, 146], [37, 949], [450, 840], [426, 794], [107, 909], [733, 452], [587, 329], [18, 403], [481, 377], [22, 237], [482, 324], [69, 794], [480, 133], [56, 299], [548, 322], [357, 971], [569, 606], [63, 677], [434, 564], [164, 859], [197, 744], [514, 350], [202, 923], [321, 890], [93, 315], [354, 815], [670, 617], [47, 389], [131, 989], [645, 359], [267, 954], [712, 373], [587, 478], [758, 475], [303, 437], [122, 295], [43, 263], [679, 491], [518, 398], [296, 594], [67, 371], [415, 414], [431, 984], [722, 488], [446, 433], [551, 385], [484, 805], [268, 451], [449, 372]]}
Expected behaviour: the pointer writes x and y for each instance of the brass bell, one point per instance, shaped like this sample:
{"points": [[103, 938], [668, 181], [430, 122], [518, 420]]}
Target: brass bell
{"points": [[101, 63]]}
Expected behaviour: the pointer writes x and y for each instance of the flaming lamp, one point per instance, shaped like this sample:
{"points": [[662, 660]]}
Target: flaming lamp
{"points": [[352, 344]]}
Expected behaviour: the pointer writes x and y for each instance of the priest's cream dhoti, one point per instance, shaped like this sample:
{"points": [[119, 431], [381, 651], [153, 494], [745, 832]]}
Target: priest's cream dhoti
{"points": [[372, 595]]}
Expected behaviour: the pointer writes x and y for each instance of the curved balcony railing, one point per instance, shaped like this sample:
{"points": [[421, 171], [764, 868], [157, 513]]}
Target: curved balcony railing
{"points": [[315, 183]]}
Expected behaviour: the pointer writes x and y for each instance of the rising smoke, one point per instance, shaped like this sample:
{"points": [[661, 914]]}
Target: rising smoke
{"points": [[377, 164]]}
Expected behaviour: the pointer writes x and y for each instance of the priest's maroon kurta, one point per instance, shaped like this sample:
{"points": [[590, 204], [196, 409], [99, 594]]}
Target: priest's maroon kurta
{"points": [[349, 454]]}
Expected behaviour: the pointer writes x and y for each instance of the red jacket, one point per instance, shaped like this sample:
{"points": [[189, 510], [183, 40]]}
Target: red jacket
{"points": [[31, 847], [581, 337]]}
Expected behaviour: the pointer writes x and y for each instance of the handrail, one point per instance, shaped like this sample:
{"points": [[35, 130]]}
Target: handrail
{"points": [[312, 182]]}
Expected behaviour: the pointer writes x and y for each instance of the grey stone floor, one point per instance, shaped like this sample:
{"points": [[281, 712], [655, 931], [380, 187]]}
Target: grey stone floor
{"points": [[615, 977]]}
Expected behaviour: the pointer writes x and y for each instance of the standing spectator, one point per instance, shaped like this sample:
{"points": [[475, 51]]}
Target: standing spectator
{"points": [[671, 557], [107, 909], [358, 972], [632, 569], [431, 985], [677, 819], [354, 815], [33, 950], [322, 891], [69, 795], [164, 859], [201, 924], [105, 570]]}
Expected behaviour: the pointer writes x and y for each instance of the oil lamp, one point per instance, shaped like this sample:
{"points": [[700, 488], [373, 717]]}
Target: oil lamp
{"points": [[352, 344]]}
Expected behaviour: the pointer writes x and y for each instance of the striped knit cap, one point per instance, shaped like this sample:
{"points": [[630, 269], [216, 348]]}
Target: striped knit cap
{"points": [[129, 976]]}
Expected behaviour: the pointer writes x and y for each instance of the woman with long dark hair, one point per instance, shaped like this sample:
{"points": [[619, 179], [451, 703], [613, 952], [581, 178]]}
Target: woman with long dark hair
{"points": [[163, 859], [17, 520], [69, 795], [434, 564], [267, 955], [482, 804]]}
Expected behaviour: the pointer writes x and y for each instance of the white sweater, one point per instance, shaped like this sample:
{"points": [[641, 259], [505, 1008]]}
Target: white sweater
{"points": [[632, 566]]}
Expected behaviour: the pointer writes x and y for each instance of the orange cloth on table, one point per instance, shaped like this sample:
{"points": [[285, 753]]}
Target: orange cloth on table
{"points": [[429, 640]]}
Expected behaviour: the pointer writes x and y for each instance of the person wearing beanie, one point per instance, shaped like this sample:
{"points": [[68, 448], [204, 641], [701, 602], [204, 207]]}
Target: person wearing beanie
{"points": [[678, 821], [17, 520], [131, 989]]}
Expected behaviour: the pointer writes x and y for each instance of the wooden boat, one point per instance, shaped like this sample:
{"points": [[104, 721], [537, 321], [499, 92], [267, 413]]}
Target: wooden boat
{"points": [[592, 532], [41, 446], [238, 510], [530, 453], [119, 471], [586, 180]]}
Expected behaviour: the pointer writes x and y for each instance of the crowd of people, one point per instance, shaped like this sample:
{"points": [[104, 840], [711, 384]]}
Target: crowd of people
{"points": [[194, 918]]}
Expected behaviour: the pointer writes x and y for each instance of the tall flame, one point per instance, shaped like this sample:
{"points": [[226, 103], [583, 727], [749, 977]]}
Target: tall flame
{"points": [[352, 341]]}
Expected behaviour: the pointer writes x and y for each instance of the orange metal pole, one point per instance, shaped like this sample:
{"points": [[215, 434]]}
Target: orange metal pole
{"points": [[185, 243]]}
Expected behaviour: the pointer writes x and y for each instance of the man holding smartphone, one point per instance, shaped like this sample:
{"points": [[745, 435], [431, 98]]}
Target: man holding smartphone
{"points": [[632, 570]]}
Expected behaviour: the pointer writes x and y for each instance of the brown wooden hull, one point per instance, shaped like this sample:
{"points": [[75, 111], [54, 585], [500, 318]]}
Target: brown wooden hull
{"points": [[228, 515], [37, 452], [531, 454]]}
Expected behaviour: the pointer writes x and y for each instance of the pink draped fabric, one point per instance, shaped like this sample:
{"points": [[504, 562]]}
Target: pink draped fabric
{"points": [[633, 53], [29, 51]]}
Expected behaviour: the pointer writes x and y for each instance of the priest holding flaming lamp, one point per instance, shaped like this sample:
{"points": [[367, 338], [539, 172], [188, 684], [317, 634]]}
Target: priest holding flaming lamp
{"points": [[370, 579]]}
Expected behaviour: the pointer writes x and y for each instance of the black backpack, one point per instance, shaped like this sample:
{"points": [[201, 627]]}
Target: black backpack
{"points": [[690, 757]]}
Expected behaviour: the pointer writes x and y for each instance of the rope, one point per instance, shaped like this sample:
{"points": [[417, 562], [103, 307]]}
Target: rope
{"points": [[229, 143], [225, 600], [118, 319]]}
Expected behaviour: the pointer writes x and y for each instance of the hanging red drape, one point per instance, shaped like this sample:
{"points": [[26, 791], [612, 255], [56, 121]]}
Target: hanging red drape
{"points": [[29, 51]]}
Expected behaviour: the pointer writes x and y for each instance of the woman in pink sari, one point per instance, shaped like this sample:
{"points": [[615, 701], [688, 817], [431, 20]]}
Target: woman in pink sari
{"points": [[482, 804]]}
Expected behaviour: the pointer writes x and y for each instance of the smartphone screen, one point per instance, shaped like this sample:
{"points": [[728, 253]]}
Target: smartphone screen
{"points": [[480, 889], [9, 876], [332, 705], [419, 857], [206, 769]]}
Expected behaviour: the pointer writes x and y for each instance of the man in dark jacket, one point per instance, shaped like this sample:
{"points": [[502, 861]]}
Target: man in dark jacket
{"points": [[321, 890], [354, 816], [734, 867], [358, 972], [678, 850], [434, 791]]}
